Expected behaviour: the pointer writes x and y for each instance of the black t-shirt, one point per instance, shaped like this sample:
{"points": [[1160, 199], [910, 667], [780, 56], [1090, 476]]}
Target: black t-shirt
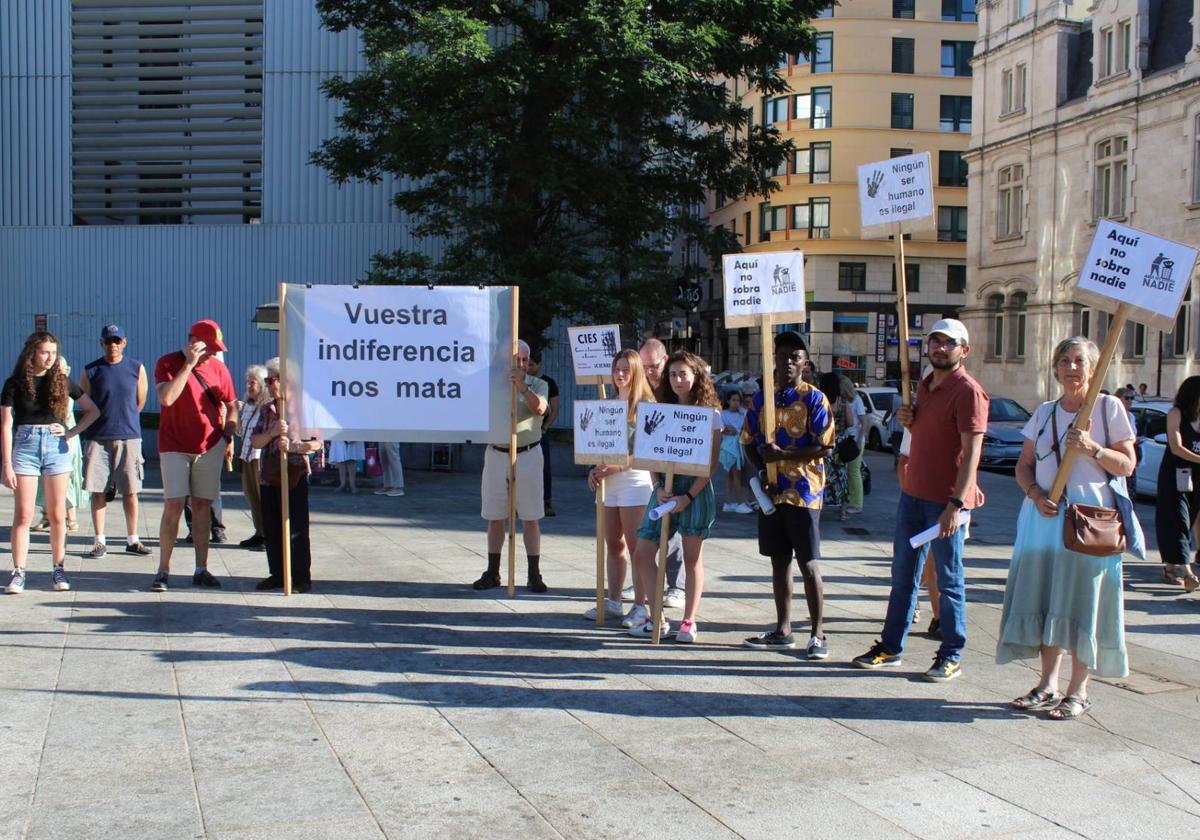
{"points": [[36, 411], [551, 384]]}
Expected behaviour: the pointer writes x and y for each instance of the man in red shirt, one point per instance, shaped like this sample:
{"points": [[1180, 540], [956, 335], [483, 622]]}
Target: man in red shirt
{"points": [[947, 426], [198, 406]]}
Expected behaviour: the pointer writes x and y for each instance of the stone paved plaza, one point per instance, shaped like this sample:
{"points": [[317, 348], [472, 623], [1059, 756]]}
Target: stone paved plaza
{"points": [[393, 701]]}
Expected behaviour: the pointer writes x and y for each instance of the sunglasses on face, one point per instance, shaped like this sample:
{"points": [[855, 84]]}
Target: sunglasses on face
{"points": [[111, 341], [272, 378]]}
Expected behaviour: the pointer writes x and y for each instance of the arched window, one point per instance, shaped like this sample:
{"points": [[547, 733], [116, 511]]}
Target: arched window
{"points": [[1112, 178], [995, 321]]}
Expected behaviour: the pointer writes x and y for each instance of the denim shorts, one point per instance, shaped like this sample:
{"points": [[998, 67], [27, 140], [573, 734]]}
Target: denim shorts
{"points": [[38, 452]]}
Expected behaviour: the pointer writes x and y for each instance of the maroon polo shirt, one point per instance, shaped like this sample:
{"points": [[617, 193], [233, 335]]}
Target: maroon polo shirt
{"points": [[944, 413]]}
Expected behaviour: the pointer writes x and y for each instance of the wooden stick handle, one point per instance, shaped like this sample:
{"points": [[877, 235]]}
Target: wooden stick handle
{"points": [[661, 584], [284, 501], [768, 392], [601, 547], [1083, 418], [902, 317], [512, 455]]}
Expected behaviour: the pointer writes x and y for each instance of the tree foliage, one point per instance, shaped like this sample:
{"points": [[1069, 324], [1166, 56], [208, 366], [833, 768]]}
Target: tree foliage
{"points": [[558, 145]]}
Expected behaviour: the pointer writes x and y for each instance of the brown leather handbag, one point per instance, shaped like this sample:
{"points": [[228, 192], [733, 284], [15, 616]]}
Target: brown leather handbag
{"points": [[1089, 529]]}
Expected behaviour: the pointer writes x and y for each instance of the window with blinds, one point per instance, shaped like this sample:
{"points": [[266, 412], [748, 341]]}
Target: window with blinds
{"points": [[166, 111]]}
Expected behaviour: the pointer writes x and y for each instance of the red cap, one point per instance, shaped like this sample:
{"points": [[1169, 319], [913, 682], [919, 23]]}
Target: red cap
{"points": [[210, 333]]}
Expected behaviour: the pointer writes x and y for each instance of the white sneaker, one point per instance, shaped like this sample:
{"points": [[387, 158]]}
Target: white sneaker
{"points": [[728, 507], [743, 508], [689, 631], [635, 616], [399, 491], [383, 491], [612, 609], [59, 576], [16, 584], [645, 630], [673, 598]]}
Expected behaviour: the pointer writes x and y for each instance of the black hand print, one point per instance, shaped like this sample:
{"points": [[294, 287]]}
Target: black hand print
{"points": [[654, 421]]}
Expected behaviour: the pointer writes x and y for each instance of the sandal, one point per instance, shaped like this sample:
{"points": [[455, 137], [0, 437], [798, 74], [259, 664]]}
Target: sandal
{"points": [[1038, 698], [1170, 577], [1070, 708]]}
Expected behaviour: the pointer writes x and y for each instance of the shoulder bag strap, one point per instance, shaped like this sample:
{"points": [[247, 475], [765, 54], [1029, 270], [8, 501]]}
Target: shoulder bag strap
{"points": [[1054, 433], [207, 390]]}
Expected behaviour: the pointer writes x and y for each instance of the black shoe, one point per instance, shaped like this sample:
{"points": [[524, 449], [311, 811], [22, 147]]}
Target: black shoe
{"points": [[549, 509], [136, 548], [218, 536], [488, 580], [205, 578], [302, 588], [536, 584], [269, 583], [98, 551], [935, 629], [255, 541], [771, 640]]}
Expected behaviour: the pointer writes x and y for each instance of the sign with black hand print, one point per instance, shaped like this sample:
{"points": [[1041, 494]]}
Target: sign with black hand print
{"points": [[676, 437], [592, 351], [602, 432], [895, 190]]}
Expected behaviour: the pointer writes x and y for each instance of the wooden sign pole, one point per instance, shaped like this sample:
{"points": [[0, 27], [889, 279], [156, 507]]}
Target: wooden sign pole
{"points": [[768, 391], [284, 501], [512, 455], [600, 543], [902, 316], [663, 539], [1083, 419]]}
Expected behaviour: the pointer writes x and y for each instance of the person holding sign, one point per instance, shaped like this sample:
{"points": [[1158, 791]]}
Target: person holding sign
{"points": [[625, 490], [653, 354], [695, 506], [947, 425], [1177, 505], [532, 403], [1056, 599], [803, 435]]}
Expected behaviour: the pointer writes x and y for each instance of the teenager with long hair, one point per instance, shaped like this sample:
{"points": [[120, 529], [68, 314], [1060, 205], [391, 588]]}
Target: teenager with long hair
{"points": [[34, 438], [687, 383], [625, 489]]}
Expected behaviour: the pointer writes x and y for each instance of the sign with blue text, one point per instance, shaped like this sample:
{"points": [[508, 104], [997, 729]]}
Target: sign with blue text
{"points": [[1126, 265], [763, 284], [897, 190]]}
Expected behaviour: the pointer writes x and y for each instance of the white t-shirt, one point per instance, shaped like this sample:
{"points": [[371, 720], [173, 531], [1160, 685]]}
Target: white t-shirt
{"points": [[1088, 481], [735, 419], [856, 412]]}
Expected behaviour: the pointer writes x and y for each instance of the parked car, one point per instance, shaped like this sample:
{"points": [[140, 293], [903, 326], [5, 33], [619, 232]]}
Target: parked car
{"points": [[878, 402], [1150, 422], [1003, 440]]}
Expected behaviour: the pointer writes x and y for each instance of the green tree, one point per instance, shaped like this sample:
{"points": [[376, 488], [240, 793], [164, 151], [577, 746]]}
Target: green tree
{"points": [[559, 145]]}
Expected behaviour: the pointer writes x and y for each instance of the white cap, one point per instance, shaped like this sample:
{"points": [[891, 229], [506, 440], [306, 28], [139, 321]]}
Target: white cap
{"points": [[951, 328]]}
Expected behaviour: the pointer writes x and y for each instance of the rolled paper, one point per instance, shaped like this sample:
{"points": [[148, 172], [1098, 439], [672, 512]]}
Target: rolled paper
{"points": [[764, 501], [662, 510], [931, 533]]}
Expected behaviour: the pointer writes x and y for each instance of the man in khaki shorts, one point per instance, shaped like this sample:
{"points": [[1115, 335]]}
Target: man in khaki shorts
{"points": [[532, 403], [198, 407], [112, 459]]}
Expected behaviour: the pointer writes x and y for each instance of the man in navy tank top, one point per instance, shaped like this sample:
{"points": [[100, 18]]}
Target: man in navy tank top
{"points": [[113, 460]]}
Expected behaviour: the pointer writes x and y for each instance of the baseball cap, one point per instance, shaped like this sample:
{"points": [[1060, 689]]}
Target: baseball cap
{"points": [[111, 331], [951, 328], [791, 338], [210, 333]]}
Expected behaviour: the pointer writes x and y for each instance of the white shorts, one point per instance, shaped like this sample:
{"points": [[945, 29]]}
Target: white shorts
{"points": [[184, 474], [628, 488], [494, 488]]}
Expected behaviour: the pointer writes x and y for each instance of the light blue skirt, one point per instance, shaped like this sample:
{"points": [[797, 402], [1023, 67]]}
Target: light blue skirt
{"points": [[1060, 598], [731, 457]]}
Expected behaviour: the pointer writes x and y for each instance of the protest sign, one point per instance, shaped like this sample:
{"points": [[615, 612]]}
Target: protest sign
{"points": [[405, 363], [895, 191], [592, 351], [602, 432], [676, 437], [763, 287], [1130, 266]]}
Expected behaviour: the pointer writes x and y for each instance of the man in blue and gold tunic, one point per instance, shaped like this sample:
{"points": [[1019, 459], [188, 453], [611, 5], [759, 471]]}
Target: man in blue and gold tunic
{"points": [[802, 437]]}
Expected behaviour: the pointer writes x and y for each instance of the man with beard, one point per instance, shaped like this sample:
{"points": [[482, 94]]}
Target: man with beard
{"points": [[947, 438]]}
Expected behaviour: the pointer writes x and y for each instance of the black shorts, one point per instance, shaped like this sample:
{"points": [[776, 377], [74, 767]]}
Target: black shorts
{"points": [[790, 530]]}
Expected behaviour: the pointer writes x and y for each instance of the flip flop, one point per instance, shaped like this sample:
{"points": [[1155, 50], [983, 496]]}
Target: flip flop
{"points": [[1038, 698], [1070, 708]]}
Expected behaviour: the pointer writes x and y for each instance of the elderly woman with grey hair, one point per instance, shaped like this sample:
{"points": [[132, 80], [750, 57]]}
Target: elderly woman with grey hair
{"points": [[1057, 599], [253, 399]]}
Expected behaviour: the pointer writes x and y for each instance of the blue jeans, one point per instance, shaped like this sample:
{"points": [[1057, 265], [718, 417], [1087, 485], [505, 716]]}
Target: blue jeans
{"points": [[36, 451], [913, 516]]}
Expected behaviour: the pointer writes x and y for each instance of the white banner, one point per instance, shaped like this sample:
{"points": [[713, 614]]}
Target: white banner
{"points": [[676, 436], [1130, 266], [400, 362], [895, 190], [763, 283], [592, 351], [601, 432]]}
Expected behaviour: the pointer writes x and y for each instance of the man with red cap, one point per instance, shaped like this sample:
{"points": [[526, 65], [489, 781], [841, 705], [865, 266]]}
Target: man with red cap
{"points": [[198, 415]]}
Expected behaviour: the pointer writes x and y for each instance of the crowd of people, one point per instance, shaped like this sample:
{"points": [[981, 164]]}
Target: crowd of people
{"points": [[1058, 600]]}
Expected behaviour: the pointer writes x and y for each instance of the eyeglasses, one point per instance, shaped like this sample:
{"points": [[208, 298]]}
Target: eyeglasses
{"points": [[272, 378], [113, 340], [949, 343]]}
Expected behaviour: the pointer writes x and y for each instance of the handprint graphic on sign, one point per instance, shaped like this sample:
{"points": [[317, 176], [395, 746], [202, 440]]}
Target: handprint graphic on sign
{"points": [[653, 421], [585, 419], [874, 182], [610, 344]]}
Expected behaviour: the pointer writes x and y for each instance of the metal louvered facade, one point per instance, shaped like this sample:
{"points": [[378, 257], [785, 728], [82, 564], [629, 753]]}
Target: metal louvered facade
{"points": [[166, 110]]}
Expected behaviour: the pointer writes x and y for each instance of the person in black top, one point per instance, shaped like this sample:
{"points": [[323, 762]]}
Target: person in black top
{"points": [[1177, 502], [34, 433], [535, 369]]}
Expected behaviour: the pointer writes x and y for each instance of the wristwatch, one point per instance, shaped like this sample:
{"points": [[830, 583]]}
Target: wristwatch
{"points": [[1098, 453], [958, 503]]}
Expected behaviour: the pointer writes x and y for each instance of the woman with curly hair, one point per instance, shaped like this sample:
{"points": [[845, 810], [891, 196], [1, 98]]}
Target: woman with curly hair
{"points": [[687, 383], [33, 404]]}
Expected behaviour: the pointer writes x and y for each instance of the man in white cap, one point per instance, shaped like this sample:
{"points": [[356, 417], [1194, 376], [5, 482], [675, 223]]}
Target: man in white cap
{"points": [[947, 426]]}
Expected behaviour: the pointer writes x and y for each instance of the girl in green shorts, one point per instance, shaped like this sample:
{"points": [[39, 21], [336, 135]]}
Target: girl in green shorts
{"points": [[687, 383]]}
